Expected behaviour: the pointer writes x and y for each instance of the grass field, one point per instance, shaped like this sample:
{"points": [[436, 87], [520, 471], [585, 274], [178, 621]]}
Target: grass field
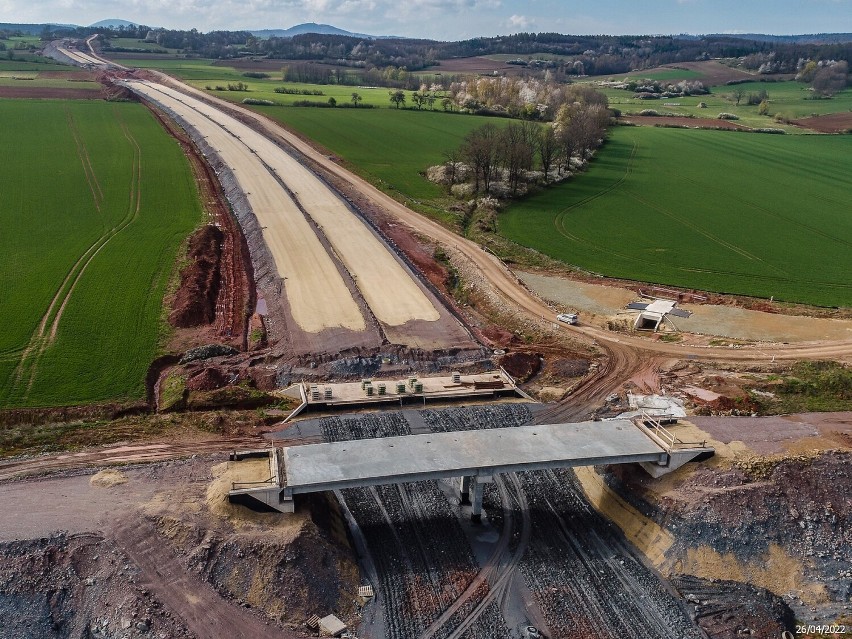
{"points": [[43, 64], [790, 99], [727, 212], [136, 43], [97, 200], [54, 83], [389, 147]]}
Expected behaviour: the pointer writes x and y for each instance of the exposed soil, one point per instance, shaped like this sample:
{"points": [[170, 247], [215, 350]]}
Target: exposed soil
{"points": [[521, 366], [207, 379], [476, 65], [162, 553], [783, 523], [602, 300], [730, 610], [236, 291], [76, 586], [195, 301], [692, 123], [713, 73], [832, 123]]}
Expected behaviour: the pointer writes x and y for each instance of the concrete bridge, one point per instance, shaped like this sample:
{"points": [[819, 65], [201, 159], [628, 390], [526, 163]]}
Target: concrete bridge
{"points": [[474, 457]]}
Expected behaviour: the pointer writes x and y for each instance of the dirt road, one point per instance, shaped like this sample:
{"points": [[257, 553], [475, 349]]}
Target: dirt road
{"points": [[204, 612]]}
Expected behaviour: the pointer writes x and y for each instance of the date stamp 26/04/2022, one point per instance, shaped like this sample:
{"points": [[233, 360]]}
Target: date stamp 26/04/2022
{"points": [[818, 630]]}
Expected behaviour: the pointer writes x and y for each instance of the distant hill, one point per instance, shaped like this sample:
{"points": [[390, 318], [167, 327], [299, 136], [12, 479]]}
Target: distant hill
{"points": [[112, 23], [810, 38], [310, 27], [34, 29]]}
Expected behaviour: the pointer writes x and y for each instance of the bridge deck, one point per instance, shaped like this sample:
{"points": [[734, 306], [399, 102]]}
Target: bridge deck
{"points": [[367, 462]]}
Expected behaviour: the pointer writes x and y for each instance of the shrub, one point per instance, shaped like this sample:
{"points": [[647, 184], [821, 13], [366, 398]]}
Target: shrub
{"points": [[291, 91], [728, 116], [258, 102], [312, 103], [256, 74], [649, 112]]}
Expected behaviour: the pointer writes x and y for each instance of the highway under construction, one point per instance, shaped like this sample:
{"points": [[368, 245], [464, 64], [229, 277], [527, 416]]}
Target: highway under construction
{"points": [[469, 521]]}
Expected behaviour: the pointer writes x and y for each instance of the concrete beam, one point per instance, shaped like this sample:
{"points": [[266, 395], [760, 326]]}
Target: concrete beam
{"points": [[410, 458], [676, 459]]}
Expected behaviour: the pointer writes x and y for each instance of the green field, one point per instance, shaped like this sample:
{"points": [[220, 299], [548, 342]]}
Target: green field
{"points": [[389, 147], [728, 212], [53, 83], [30, 64], [136, 43], [97, 198], [789, 99]]}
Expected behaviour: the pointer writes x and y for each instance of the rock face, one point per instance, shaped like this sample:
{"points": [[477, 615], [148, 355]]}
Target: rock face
{"points": [[206, 352], [195, 301], [729, 609], [780, 523]]}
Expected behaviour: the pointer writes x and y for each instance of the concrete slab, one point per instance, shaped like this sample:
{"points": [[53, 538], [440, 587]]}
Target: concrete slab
{"points": [[366, 462], [430, 388]]}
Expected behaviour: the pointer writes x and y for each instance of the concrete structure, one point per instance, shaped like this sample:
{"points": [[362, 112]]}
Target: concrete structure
{"points": [[401, 389], [473, 456], [331, 626], [653, 314]]}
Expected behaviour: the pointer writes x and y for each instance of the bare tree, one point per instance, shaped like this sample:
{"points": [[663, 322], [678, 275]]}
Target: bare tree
{"points": [[548, 148], [517, 150], [479, 150], [452, 159]]}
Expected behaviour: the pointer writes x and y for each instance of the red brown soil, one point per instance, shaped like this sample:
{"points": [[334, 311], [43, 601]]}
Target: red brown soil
{"points": [[693, 123], [498, 336], [713, 73], [195, 301], [832, 123], [207, 379], [236, 295], [81, 76], [521, 366], [55, 93], [476, 65]]}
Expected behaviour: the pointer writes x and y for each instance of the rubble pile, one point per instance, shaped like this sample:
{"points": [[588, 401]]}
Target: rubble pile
{"points": [[76, 586]]}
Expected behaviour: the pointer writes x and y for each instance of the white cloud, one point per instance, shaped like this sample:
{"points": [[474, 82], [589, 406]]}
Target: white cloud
{"points": [[519, 23]]}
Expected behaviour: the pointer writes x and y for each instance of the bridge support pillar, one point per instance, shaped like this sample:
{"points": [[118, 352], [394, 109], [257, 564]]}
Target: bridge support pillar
{"points": [[464, 491], [476, 498]]}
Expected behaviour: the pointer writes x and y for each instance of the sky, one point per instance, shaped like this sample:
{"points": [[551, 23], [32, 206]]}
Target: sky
{"points": [[455, 19]]}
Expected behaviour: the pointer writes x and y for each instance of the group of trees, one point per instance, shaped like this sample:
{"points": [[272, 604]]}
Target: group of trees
{"points": [[526, 98], [827, 77], [512, 151]]}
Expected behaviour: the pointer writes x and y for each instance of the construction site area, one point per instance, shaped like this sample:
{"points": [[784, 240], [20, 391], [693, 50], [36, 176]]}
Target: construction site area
{"points": [[337, 443]]}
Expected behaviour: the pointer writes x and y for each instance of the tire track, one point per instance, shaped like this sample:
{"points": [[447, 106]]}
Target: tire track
{"points": [[44, 336]]}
